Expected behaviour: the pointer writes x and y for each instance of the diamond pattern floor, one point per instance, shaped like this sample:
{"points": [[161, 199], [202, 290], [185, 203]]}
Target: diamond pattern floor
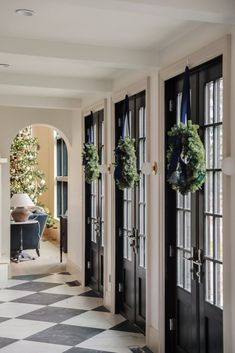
{"points": [[55, 314]]}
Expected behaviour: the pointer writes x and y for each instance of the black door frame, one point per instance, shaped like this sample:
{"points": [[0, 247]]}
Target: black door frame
{"points": [[119, 216], [170, 227], [98, 118]]}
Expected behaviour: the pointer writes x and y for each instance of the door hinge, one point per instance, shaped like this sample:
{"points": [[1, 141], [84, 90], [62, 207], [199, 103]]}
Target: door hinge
{"points": [[171, 324], [171, 105], [88, 265], [88, 220], [120, 287], [171, 251]]}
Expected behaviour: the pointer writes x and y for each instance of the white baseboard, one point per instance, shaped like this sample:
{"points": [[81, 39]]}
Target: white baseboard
{"points": [[4, 271], [107, 300], [75, 270], [153, 340]]}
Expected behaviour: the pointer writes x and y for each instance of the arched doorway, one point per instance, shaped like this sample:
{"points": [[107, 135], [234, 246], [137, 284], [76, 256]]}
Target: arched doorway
{"points": [[39, 168]]}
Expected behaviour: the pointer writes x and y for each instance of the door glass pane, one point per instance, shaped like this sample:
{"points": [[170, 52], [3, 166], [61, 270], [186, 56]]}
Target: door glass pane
{"points": [[209, 236], [180, 228], [187, 273], [209, 192], [219, 238], [218, 193], [209, 282], [180, 266], [213, 196], [187, 230], [219, 285]]}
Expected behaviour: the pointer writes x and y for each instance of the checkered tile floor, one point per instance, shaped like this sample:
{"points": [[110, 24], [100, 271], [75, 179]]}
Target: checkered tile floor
{"points": [[54, 314]]}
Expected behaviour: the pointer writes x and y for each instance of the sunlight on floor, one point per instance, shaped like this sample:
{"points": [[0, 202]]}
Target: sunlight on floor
{"points": [[48, 262]]}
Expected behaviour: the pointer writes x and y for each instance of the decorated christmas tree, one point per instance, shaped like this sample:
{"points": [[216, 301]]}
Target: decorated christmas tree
{"points": [[25, 176]]}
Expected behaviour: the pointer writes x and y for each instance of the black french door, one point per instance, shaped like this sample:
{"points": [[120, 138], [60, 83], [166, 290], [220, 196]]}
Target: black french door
{"points": [[194, 225], [94, 199], [131, 220]]}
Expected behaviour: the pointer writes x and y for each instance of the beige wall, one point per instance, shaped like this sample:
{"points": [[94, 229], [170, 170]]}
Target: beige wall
{"points": [[46, 162]]}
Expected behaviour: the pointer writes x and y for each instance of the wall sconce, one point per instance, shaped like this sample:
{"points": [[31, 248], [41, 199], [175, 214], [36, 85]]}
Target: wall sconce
{"points": [[149, 168], [228, 166]]}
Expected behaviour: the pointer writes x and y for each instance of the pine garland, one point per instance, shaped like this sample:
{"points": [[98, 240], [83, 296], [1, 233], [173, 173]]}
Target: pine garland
{"points": [[90, 162], [126, 174], [186, 145]]}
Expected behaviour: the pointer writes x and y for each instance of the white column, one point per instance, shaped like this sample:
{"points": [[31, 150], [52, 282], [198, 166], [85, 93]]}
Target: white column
{"points": [[3, 261]]}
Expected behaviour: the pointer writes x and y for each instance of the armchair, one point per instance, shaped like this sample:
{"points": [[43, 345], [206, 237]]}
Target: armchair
{"points": [[27, 236]]}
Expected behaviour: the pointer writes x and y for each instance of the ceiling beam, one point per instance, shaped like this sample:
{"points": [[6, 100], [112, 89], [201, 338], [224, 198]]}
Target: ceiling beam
{"points": [[212, 11], [79, 85], [120, 58], [39, 102]]}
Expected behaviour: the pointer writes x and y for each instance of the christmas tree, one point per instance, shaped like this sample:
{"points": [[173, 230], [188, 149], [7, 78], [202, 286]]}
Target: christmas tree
{"points": [[25, 176]]}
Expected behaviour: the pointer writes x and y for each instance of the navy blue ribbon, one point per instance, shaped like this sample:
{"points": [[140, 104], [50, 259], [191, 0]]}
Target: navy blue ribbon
{"points": [[125, 117], [176, 141], [185, 104]]}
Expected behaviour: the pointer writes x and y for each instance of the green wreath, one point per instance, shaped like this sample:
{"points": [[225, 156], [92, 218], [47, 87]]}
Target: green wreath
{"points": [[90, 162], [126, 174], [186, 168]]}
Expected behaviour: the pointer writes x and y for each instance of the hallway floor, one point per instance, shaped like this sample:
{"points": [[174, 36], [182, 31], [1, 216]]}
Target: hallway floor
{"points": [[54, 314]]}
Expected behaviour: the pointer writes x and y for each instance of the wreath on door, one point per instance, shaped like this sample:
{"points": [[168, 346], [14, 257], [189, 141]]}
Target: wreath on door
{"points": [[125, 174], [186, 167], [90, 159]]}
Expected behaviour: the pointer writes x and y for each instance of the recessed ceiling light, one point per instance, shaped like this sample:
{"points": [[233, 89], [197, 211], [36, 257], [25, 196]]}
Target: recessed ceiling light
{"points": [[25, 12], [4, 65]]}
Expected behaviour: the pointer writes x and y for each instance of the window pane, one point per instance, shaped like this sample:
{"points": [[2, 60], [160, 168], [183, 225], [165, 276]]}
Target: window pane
{"points": [[59, 156], [65, 160], [209, 236], [187, 201], [218, 193], [218, 146], [219, 285], [219, 100], [209, 282], [180, 228], [209, 103], [180, 200], [65, 196], [209, 146], [219, 239], [187, 274], [180, 265], [187, 230], [209, 193]]}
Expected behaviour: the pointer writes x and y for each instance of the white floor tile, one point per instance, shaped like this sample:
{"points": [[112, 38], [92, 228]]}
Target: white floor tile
{"points": [[114, 341], [12, 310], [79, 302], [56, 278], [65, 289], [10, 294], [34, 347], [20, 329], [95, 319], [11, 283]]}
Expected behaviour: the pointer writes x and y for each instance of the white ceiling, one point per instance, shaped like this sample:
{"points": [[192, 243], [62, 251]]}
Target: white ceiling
{"points": [[90, 42]]}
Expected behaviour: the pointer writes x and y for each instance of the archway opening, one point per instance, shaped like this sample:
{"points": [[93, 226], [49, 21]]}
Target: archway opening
{"points": [[39, 168]]}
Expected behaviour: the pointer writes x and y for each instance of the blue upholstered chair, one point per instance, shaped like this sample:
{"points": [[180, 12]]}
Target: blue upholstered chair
{"points": [[31, 235]]}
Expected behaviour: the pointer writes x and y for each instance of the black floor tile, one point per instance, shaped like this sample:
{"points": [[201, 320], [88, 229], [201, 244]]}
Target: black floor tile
{"points": [[65, 273], [35, 286], [30, 277], [84, 350], [51, 314], [73, 283], [2, 319], [126, 326], [101, 308], [140, 350], [65, 335], [41, 298], [90, 293], [6, 341]]}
